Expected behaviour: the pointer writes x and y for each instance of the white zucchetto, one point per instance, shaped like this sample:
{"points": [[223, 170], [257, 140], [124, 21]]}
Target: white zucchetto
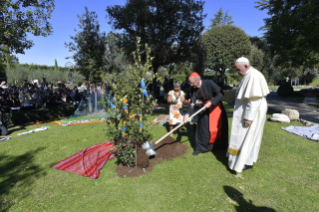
{"points": [[242, 60]]}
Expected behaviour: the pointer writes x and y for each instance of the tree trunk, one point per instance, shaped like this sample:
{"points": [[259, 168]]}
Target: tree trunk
{"points": [[304, 77], [216, 76], [223, 77], [155, 94]]}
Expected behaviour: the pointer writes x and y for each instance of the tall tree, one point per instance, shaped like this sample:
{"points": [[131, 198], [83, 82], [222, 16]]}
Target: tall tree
{"points": [[221, 18], [292, 29], [223, 45], [56, 66], [171, 28], [88, 46], [2, 67], [268, 66], [19, 17], [256, 57], [114, 52]]}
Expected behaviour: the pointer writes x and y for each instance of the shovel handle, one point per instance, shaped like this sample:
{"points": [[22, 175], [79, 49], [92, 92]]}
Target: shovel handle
{"points": [[173, 130]]}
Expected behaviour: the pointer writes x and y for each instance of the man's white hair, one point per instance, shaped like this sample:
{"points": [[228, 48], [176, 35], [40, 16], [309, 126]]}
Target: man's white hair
{"points": [[243, 61], [196, 78]]}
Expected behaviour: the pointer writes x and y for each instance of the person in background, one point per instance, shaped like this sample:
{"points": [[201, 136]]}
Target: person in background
{"points": [[175, 98]]}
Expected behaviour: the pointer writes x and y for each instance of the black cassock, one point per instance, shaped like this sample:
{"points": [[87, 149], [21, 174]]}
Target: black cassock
{"points": [[206, 139]]}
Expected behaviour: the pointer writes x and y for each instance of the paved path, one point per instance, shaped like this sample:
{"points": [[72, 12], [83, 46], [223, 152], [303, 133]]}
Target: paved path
{"points": [[307, 112]]}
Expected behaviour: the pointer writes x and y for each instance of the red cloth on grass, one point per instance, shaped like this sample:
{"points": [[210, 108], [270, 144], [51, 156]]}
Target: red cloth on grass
{"points": [[88, 162]]}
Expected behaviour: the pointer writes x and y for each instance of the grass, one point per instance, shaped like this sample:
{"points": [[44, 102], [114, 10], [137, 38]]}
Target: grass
{"points": [[315, 82], [285, 178]]}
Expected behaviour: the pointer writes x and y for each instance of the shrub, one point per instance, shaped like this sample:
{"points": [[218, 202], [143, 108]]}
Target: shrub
{"points": [[297, 94], [285, 90], [131, 109], [42, 115], [21, 73], [179, 78]]}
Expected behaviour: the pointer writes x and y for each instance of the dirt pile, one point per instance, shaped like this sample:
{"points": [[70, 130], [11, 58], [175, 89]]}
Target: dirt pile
{"points": [[168, 149]]}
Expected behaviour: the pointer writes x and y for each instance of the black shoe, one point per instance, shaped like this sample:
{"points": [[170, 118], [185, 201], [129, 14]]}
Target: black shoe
{"points": [[246, 167], [195, 153]]}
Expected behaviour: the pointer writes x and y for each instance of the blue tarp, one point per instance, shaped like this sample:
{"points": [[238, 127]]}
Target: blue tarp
{"points": [[311, 132]]}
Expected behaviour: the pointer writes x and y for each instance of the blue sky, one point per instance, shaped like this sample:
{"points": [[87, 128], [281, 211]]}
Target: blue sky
{"points": [[64, 20]]}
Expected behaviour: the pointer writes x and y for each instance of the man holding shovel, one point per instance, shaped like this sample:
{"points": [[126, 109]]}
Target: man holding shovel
{"points": [[212, 128]]}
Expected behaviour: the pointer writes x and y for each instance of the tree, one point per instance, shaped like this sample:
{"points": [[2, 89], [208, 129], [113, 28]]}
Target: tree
{"points": [[56, 66], [171, 28], [223, 45], [130, 131], [114, 54], [19, 17], [88, 47], [2, 68], [268, 60], [221, 19], [256, 57], [292, 30]]}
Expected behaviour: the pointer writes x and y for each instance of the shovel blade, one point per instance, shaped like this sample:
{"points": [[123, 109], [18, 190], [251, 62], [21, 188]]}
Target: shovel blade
{"points": [[150, 152], [146, 145]]}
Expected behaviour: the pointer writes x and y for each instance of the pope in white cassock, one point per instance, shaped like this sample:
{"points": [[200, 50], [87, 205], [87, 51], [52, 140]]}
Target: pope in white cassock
{"points": [[249, 117]]}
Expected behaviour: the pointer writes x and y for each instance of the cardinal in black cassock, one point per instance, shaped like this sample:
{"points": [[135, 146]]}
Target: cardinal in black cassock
{"points": [[212, 127]]}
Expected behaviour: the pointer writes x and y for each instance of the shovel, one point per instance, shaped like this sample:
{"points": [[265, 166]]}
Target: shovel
{"points": [[150, 147]]}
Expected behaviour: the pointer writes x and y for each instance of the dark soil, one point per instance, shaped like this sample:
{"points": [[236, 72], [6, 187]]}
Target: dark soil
{"points": [[126, 171], [168, 149], [143, 160]]}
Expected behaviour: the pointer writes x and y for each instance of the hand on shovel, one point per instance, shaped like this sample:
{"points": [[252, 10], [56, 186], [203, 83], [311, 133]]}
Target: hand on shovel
{"points": [[208, 104], [186, 117]]}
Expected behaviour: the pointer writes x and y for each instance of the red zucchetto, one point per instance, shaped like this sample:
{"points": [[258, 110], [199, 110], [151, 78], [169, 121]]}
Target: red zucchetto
{"points": [[194, 74]]}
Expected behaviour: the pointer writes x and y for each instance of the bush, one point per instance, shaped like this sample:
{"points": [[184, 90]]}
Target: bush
{"points": [[42, 115], [227, 87], [297, 94], [22, 72], [179, 78], [285, 90]]}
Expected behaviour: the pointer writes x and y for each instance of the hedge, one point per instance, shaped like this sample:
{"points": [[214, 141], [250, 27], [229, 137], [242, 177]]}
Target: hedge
{"points": [[42, 115]]}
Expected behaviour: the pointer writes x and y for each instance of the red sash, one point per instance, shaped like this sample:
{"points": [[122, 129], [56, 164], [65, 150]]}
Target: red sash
{"points": [[215, 121]]}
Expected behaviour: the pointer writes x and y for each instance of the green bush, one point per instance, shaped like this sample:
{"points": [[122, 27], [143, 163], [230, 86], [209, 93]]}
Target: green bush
{"points": [[297, 94], [22, 72], [179, 78], [42, 115], [226, 87], [285, 90]]}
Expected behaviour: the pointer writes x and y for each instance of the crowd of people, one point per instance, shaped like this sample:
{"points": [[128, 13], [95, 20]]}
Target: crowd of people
{"points": [[36, 95]]}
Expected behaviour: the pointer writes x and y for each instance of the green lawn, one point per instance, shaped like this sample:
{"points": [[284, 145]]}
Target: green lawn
{"points": [[285, 177], [315, 82]]}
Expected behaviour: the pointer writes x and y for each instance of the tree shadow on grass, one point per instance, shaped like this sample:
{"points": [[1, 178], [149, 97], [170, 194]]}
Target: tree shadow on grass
{"points": [[16, 128], [18, 172], [241, 205]]}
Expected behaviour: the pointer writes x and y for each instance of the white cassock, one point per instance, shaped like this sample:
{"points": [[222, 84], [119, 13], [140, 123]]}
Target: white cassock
{"points": [[250, 104]]}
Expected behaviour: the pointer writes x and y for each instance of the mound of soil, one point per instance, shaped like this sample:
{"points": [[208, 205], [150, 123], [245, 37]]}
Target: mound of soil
{"points": [[168, 149]]}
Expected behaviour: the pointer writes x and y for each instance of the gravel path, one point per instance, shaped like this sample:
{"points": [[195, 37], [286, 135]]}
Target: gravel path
{"points": [[307, 112]]}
